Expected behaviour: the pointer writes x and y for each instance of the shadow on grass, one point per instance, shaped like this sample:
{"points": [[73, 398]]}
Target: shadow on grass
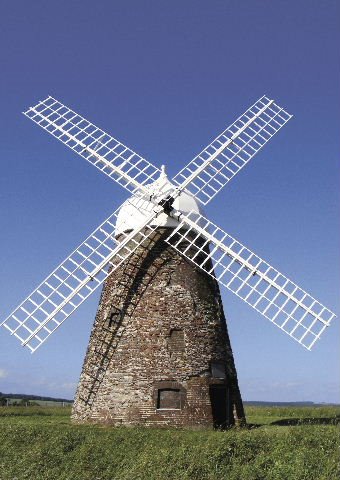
{"points": [[308, 421], [284, 422]]}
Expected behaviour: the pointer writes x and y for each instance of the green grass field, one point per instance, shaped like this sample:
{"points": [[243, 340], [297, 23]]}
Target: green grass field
{"points": [[288, 443]]}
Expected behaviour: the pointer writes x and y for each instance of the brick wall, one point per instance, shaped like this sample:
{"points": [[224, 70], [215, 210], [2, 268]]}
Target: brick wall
{"points": [[159, 326]]}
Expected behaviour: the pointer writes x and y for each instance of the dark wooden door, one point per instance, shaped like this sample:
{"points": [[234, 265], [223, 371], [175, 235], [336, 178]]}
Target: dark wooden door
{"points": [[220, 405]]}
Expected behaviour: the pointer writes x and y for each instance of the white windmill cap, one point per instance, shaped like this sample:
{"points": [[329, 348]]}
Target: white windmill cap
{"points": [[137, 208]]}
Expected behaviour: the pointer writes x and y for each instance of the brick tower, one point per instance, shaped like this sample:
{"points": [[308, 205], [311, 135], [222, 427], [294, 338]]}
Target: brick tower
{"points": [[159, 351]]}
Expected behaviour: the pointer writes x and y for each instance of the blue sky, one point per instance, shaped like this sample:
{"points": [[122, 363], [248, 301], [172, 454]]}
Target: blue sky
{"points": [[165, 78]]}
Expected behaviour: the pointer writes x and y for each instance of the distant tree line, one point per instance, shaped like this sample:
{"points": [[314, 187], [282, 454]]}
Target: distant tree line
{"points": [[18, 402], [26, 397]]}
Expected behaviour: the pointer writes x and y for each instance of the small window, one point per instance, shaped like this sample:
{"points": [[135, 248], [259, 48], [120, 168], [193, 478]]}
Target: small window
{"points": [[114, 316], [176, 341], [169, 398], [218, 370]]}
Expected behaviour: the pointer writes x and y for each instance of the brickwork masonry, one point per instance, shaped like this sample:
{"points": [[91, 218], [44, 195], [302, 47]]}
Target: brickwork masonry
{"points": [[158, 331]]}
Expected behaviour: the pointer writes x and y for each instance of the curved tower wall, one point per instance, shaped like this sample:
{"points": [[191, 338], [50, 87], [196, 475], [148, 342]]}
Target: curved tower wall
{"points": [[159, 352]]}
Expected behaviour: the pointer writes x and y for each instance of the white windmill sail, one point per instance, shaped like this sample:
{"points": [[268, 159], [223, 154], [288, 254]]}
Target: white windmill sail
{"points": [[236, 267], [252, 279], [73, 281], [225, 156], [112, 157]]}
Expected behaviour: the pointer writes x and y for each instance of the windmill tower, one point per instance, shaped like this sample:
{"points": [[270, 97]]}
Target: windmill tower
{"points": [[159, 352]]}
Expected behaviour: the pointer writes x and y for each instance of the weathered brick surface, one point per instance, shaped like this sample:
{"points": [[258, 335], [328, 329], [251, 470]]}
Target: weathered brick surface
{"points": [[135, 347]]}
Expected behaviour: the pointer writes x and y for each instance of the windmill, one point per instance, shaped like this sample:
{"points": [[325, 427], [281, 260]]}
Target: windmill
{"points": [[159, 351]]}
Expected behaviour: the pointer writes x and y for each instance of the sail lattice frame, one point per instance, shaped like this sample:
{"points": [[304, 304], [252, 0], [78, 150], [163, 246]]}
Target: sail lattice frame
{"points": [[73, 281], [225, 156], [252, 279], [217, 253], [110, 156]]}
